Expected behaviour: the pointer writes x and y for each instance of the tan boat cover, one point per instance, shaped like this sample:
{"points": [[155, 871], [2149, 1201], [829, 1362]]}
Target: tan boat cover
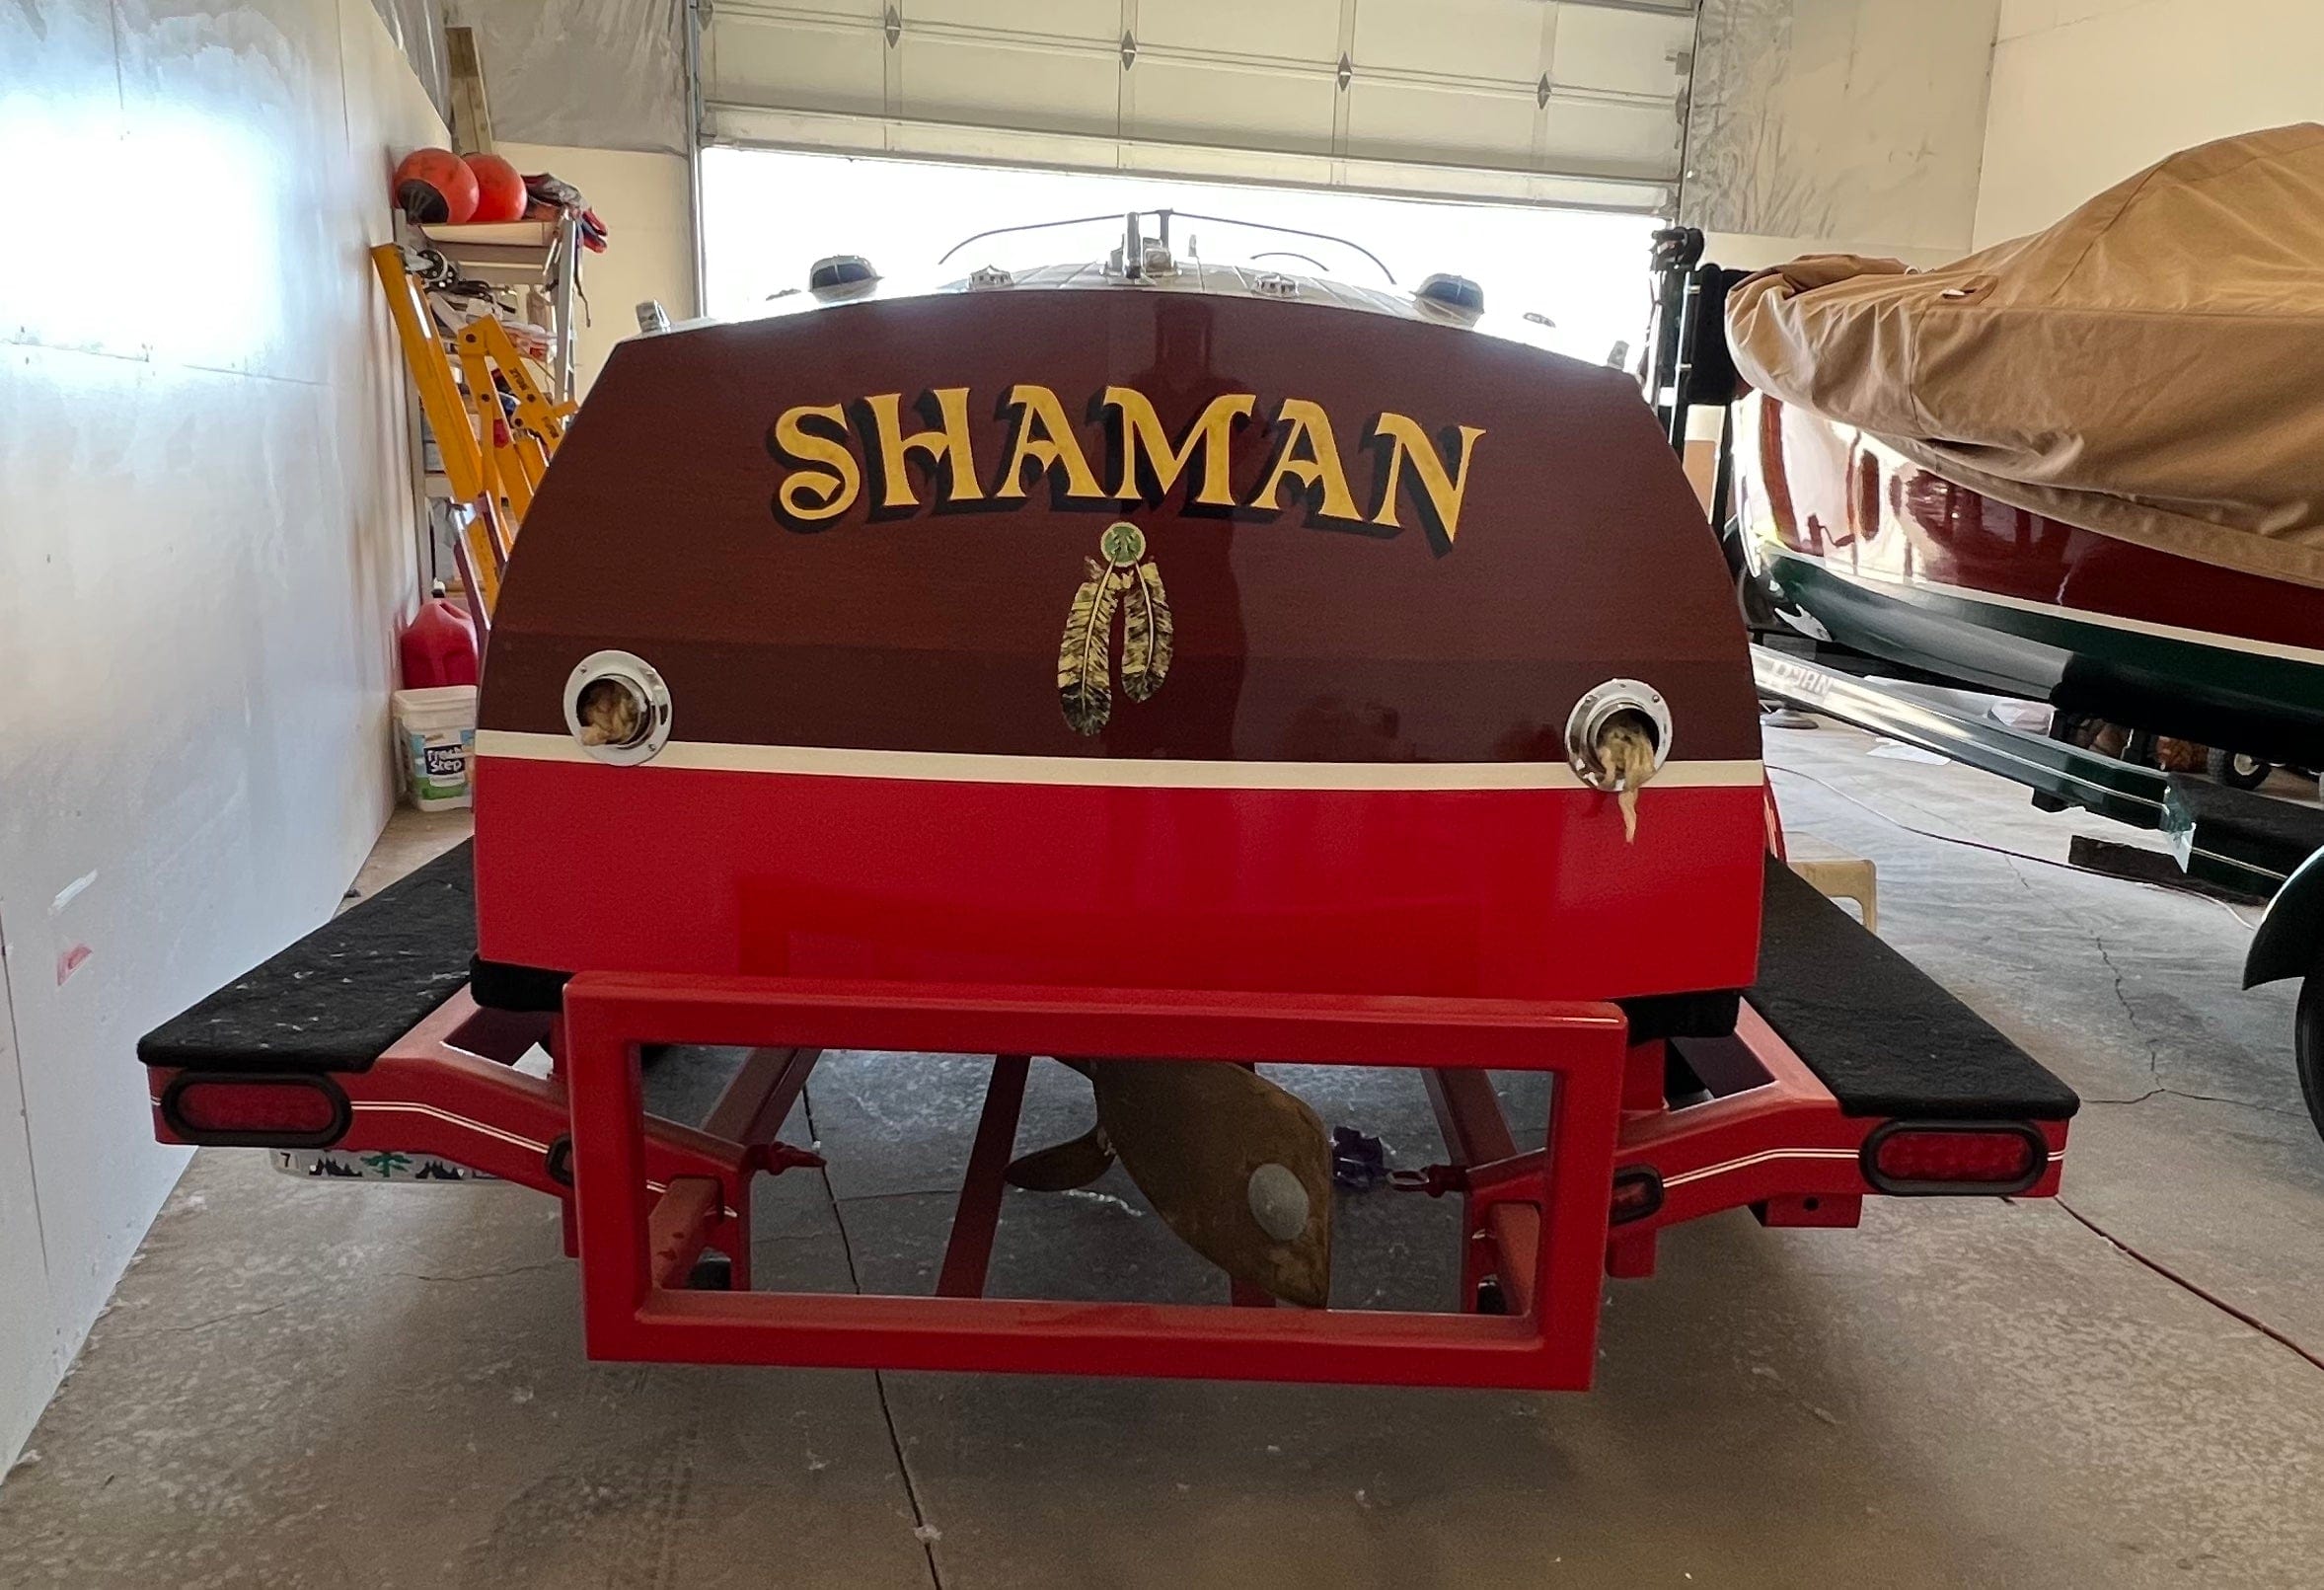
{"points": [[2151, 367]]}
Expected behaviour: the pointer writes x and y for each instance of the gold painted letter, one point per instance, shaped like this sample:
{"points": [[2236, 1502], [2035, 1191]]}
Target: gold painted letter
{"points": [[947, 448], [1045, 436], [1142, 435], [1439, 493], [1309, 457], [809, 497]]}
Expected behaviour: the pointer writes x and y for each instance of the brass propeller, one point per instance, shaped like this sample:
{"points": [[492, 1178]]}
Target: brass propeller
{"points": [[1239, 1168]]}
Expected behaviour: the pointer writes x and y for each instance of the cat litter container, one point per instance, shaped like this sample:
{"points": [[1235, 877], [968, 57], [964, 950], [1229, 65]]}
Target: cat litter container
{"points": [[435, 735]]}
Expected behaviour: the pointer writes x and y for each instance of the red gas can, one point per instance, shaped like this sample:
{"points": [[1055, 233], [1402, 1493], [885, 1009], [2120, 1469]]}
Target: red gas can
{"points": [[440, 645]]}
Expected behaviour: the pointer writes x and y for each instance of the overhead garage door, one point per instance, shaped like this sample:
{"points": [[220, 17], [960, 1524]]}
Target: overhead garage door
{"points": [[1570, 102]]}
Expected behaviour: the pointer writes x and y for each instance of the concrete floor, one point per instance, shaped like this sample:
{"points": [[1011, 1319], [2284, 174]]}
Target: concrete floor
{"points": [[317, 1385]]}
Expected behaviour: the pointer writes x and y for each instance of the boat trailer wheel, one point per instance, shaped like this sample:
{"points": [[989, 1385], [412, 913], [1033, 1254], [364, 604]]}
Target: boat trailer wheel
{"points": [[2238, 769]]}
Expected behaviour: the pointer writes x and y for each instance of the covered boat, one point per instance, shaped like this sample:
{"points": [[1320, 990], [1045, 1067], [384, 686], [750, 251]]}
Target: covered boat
{"points": [[2087, 466]]}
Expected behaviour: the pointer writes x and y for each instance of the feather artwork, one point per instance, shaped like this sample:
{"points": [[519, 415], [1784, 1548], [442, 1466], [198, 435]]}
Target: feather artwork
{"points": [[1147, 631], [1085, 661]]}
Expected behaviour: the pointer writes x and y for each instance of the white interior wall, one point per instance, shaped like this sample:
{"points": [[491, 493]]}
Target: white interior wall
{"points": [[2088, 92], [206, 541], [28, 1364], [646, 202], [1849, 125]]}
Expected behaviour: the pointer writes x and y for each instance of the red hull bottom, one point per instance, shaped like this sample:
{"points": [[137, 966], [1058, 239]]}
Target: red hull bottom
{"points": [[1520, 893]]}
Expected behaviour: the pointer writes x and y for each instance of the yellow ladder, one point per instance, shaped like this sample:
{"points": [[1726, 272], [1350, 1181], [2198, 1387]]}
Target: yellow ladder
{"points": [[494, 461]]}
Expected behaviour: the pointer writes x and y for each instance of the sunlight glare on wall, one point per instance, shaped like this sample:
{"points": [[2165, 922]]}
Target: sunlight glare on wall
{"points": [[165, 239]]}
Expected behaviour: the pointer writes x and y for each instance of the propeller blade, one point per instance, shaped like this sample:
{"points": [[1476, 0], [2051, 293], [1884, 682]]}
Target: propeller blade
{"points": [[1238, 1167]]}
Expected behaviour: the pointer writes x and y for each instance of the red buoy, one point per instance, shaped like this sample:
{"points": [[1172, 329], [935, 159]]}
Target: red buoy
{"points": [[439, 647], [435, 188], [500, 190]]}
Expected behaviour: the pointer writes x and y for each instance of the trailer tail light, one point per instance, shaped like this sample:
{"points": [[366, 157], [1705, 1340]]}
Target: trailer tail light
{"points": [[1956, 1157], [1637, 1194], [256, 1112]]}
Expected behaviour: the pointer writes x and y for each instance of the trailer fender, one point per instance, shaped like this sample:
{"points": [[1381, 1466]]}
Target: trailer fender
{"points": [[2293, 930]]}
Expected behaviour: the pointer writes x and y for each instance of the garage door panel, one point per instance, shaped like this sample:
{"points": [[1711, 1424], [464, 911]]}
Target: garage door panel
{"points": [[1443, 95], [979, 80], [832, 64], [1096, 22], [1634, 141], [1449, 124], [1491, 39], [1621, 51], [1278, 108], [865, 14], [1282, 29]]}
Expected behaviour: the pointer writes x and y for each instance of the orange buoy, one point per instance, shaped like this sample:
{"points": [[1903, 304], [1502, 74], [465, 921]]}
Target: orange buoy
{"points": [[435, 188], [500, 190]]}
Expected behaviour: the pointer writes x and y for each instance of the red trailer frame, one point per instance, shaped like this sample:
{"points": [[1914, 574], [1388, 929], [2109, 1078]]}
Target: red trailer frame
{"points": [[645, 1198]]}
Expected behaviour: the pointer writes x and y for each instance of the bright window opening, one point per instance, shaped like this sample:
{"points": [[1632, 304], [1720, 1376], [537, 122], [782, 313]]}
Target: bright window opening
{"points": [[769, 215]]}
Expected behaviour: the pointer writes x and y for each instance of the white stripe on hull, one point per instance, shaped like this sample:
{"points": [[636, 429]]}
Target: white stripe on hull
{"points": [[1130, 772]]}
